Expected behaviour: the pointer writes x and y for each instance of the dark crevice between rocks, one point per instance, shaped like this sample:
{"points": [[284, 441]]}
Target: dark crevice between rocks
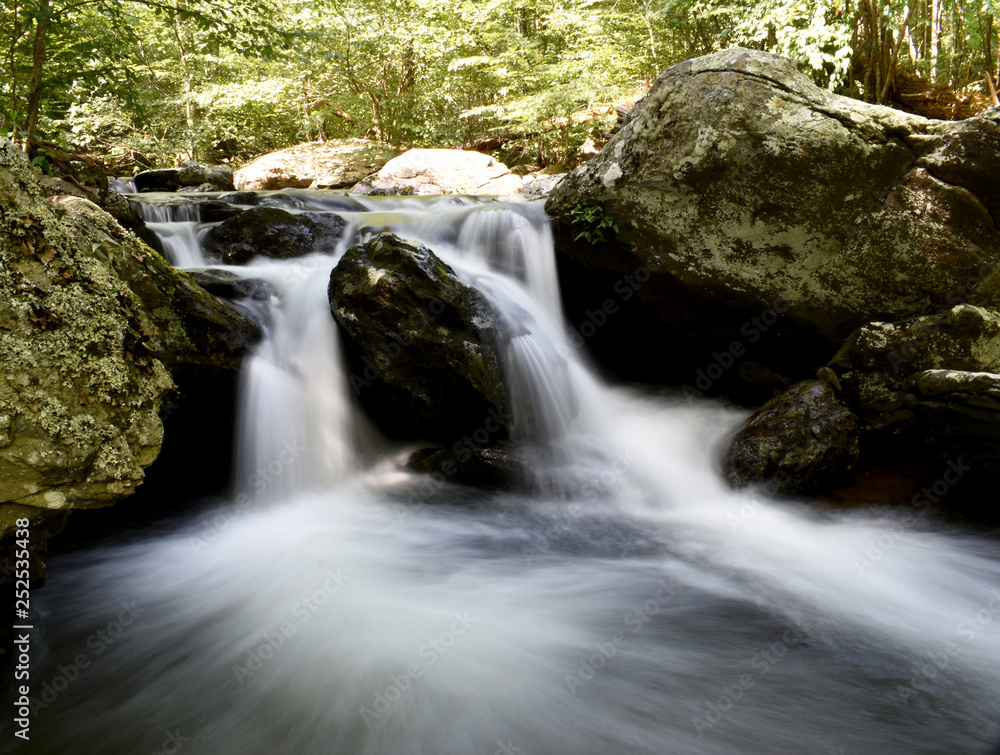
{"points": [[194, 465], [929, 169]]}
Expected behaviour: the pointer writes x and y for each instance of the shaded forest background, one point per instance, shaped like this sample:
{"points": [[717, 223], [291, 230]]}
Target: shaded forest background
{"points": [[147, 83]]}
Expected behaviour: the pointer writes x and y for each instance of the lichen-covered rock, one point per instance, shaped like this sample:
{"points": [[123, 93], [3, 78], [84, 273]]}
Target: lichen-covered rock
{"points": [[800, 441], [540, 184], [272, 232], [878, 361], [216, 211], [79, 390], [334, 164], [959, 412], [189, 174], [91, 323], [736, 184], [111, 202], [441, 171], [422, 344]]}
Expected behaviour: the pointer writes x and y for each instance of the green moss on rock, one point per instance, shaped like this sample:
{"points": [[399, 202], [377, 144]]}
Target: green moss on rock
{"points": [[91, 323]]}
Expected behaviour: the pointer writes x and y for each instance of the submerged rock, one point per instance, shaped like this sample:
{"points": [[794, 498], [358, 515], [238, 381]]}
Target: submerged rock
{"points": [[441, 171], [803, 440], [738, 187], [422, 344], [217, 211], [272, 232], [492, 466], [189, 174]]}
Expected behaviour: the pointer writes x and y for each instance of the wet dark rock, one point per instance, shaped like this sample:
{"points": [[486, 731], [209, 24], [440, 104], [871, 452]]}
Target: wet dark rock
{"points": [[189, 174], [247, 198], [329, 228], [422, 344], [227, 285], [266, 231], [199, 189], [803, 440], [493, 466], [216, 211]]}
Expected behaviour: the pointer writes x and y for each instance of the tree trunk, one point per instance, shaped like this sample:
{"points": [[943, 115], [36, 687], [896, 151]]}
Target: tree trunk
{"points": [[190, 115], [37, 66], [935, 37]]}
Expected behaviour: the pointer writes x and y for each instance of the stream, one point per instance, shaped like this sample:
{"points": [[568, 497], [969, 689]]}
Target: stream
{"points": [[336, 603]]}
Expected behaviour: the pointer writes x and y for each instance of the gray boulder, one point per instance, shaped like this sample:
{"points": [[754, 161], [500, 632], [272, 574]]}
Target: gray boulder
{"points": [[333, 164], [737, 186]]}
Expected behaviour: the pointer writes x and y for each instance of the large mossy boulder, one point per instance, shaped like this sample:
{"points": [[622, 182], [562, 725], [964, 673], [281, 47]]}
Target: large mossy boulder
{"points": [[737, 186], [800, 441], [272, 232], [422, 344], [94, 327], [111, 202]]}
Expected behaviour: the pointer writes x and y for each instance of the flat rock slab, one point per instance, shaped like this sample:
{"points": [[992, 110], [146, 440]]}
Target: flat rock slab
{"points": [[441, 171], [337, 164]]}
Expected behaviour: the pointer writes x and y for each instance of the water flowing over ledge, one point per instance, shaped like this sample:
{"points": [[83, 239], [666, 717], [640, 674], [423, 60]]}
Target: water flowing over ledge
{"points": [[630, 602]]}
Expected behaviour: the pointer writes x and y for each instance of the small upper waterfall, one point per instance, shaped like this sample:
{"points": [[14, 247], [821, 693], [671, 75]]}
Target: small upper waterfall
{"points": [[121, 185], [628, 602]]}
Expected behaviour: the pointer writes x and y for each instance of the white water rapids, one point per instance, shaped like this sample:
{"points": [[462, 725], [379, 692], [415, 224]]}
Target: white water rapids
{"points": [[337, 604]]}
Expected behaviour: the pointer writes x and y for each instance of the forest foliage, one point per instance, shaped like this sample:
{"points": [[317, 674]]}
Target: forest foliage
{"points": [[150, 82]]}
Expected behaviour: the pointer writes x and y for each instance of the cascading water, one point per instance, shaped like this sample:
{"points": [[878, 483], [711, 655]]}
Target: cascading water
{"points": [[177, 226], [121, 185], [636, 605]]}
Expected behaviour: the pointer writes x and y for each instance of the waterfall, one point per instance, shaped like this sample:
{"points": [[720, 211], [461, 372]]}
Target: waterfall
{"points": [[297, 427], [628, 603], [121, 185]]}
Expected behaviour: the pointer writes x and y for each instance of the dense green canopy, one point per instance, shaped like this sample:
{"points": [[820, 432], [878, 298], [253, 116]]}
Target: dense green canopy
{"points": [[152, 81]]}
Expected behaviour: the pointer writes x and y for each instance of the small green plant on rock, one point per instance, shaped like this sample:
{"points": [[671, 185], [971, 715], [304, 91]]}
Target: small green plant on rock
{"points": [[592, 222]]}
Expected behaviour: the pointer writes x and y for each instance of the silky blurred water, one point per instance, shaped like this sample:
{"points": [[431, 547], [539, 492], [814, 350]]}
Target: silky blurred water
{"points": [[631, 603]]}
